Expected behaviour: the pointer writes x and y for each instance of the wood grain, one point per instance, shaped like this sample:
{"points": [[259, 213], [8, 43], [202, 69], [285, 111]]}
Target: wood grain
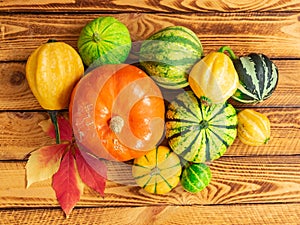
{"points": [[249, 214], [250, 185], [276, 35], [20, 134], [14, 90], [148, 6], [16, 95], [235, 180]]}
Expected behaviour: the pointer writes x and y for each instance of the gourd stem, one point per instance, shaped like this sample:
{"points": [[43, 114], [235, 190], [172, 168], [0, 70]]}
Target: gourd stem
{"points": [[51, 41], [53, 117], [203, 124], [96, 37], [229, 50]]}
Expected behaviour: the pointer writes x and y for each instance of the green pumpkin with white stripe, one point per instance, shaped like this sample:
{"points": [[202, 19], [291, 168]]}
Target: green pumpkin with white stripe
{"points": [[195, 177], [168, 55], [258, 77], [199, 130]]}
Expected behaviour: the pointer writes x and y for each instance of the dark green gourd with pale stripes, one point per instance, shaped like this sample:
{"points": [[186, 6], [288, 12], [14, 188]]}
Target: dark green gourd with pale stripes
{"points": [[198, 130], [168, 55], [258, 77], [195, 177]]}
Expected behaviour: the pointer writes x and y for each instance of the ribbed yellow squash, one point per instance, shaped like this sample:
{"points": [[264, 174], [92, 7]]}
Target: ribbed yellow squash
{"points": [[158, 171], [253, 127], [214, 77], [52, 70]]}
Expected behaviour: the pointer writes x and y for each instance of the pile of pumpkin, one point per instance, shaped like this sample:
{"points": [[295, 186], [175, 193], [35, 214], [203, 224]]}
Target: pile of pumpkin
{"points": [[119, 110]]}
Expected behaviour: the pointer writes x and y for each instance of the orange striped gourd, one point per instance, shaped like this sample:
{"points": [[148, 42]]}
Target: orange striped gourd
{"points": [[253, 127]]}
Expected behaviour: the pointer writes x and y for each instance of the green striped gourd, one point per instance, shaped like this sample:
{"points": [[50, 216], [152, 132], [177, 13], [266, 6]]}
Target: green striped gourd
{"points": [[168, 55], [158, 171], [258, 77], [195, 177], [104, 40], [198, 130]]}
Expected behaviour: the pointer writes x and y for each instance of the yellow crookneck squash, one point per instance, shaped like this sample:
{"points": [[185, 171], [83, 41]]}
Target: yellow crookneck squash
{"points": [[52, 71]]}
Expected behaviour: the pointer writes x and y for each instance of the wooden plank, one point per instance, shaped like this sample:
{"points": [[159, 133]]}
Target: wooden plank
{"points": [[276, 35], [20, 134], [148, 6], [235, 180], [16, 95], [14, 90], [252, 214]]}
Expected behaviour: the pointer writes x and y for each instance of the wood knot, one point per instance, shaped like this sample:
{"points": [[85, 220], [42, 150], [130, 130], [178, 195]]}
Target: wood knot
{"points": [[24, 115], [17, 78]]}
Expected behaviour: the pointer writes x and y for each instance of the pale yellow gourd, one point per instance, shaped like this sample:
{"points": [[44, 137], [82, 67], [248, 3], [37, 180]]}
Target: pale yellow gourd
{"points": [[214, 76]]}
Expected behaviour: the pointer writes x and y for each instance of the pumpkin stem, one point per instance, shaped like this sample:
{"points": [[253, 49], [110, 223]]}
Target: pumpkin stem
{"points": [[116, 124], [96, 37], [229, 50], [204, 124], [53, 116], [155, 171]]}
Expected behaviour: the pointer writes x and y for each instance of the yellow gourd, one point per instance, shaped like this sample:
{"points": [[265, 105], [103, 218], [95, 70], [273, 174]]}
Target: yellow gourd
{"points": [[253, 127], [52, 70], [214, 76], [158, 171]]}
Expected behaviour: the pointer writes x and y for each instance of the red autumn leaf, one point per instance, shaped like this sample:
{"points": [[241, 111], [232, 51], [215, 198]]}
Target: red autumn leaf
{"points": [[66, 184], [92, 171], [43, 163], [65, 128]]}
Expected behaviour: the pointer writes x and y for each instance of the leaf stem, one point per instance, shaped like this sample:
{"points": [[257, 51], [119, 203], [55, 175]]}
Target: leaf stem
{"points": [[53, 116], [229, 50]]}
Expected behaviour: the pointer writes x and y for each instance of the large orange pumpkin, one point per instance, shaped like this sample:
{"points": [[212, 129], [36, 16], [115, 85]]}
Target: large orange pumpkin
{"points": [[117, 112]]}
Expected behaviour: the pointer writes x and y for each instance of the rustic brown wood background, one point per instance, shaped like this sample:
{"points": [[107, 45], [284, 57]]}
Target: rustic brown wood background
{"points": [[250, 185]]}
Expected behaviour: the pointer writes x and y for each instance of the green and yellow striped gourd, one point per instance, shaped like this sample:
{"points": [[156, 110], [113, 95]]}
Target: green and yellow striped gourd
{"points": [[198, 130]]}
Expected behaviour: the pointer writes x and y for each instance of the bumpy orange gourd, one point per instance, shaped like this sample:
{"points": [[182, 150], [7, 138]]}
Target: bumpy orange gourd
{"points": [[117, 112], [52, 71]]}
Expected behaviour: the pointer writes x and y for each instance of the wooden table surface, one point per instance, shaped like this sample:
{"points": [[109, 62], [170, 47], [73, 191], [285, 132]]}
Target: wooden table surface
{"points": [[250, 185]]}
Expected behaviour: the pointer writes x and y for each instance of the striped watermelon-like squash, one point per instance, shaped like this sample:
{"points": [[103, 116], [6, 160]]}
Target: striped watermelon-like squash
{"points": [[198, 130], [168, 55], [195, 177], [104, 40], [157, 172], [258, 77]]}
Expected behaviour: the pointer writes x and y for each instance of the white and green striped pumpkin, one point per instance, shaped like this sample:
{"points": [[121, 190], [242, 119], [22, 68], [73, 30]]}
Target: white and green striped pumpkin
{"points": [[198, 130], [258, 77], [168, 55]]}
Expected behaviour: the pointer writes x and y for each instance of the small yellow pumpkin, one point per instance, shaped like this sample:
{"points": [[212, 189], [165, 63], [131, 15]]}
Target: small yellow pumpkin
{"points": [[253, 127], [157, 172], [52, 70]]}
